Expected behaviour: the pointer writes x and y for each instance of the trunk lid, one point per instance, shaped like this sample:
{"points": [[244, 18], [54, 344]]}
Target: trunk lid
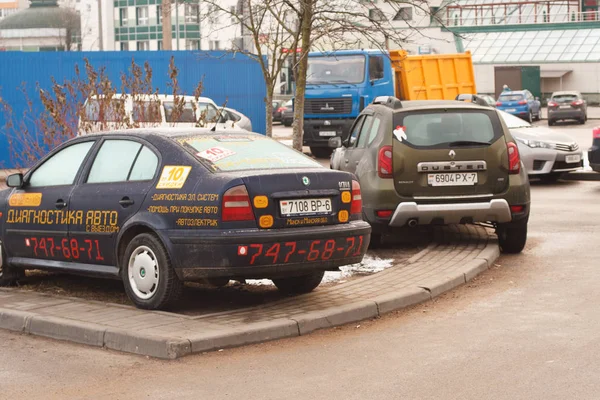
{"points": [[449, 152]]}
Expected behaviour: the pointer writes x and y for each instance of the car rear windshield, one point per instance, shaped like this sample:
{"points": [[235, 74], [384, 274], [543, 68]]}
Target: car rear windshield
{"points": [[564, 98], [227, 152], [510, 97], [443, 128], [104, 110]]}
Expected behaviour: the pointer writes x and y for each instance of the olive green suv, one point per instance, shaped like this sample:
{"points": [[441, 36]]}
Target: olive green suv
{"points": [[436, 162]]}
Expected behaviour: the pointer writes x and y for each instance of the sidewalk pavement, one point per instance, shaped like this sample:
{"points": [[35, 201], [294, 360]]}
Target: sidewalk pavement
{"points": [[457, 254]]}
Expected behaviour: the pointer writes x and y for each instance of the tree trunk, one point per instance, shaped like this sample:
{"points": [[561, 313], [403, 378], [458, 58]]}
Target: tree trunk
{"points": [[269, 108], [306, 31], [167, 40]]}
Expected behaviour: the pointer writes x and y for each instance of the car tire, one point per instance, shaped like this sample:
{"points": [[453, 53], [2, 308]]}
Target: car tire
{"points": [[299, 284], [321, 152], [512, 236], [287, 123], [582, 121], [9, 276], [217, 282], [148, 276], [551, 122], [530, 118]]}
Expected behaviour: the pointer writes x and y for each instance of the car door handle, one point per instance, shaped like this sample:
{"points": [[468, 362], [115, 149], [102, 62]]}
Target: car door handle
{"points": [[60, 203], [126, 202]]}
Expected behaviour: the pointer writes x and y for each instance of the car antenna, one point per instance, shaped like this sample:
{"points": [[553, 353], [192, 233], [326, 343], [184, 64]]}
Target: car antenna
{"points": [[214, 128]]}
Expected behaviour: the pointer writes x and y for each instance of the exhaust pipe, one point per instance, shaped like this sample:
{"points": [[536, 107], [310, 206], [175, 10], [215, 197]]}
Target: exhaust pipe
{"points": [[412, 222]]}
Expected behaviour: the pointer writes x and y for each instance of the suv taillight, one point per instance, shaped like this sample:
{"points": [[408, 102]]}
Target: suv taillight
{"points": [[596, 133], [356, 205], [523, 102], [236, 205], [577, 103], [514, 160], [384, 162], [552, 104], [498, 103]]}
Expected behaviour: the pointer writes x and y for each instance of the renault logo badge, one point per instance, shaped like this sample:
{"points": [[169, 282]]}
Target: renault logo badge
{"points": [[305, 180], [452, 154]]}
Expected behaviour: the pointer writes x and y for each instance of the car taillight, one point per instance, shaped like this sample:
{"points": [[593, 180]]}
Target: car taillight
{"points": [[280, 109], [596, 133], [514, 160], [384, 162], [384, 213], [577, 103], [552, 104], [522, 102], [498, 103], [236, 205], [356, 205]]}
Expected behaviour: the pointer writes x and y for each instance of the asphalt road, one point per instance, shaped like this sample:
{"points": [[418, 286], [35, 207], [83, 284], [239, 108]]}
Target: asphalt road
{"points": [[528, 328]]}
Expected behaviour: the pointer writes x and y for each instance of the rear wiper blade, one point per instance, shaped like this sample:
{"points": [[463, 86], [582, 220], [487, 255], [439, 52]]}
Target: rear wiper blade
{"points": [[467, 143]]}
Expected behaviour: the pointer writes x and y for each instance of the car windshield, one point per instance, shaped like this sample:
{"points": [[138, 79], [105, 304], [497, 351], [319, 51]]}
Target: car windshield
{"points": [[510, 97], [339, 69], [446, 128], [244, 152], [186, 112], [513, 122], [564, 98]]}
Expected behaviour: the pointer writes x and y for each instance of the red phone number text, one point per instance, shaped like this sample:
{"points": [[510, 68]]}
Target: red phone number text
{"points": [[65, 248]]}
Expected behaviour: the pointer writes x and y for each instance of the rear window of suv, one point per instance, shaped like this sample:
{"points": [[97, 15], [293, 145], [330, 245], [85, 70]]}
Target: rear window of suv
{"points": [[439, 128], [510, 97], [564, 98]]}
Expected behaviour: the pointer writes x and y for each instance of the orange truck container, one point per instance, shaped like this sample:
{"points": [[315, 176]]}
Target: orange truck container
{"points": [[432, 76]]}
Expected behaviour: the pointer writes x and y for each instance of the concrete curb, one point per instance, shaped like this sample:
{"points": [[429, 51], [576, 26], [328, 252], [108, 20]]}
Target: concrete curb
{"points": [[176, 345]]}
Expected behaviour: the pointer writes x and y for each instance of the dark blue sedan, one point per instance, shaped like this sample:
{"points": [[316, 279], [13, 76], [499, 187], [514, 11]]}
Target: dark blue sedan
{"points": [[520, 103], [156, 208]]}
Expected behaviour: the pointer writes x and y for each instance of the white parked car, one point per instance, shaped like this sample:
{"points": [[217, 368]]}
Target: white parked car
{"points": [[151, 111], [545, 152], [240, 119]]}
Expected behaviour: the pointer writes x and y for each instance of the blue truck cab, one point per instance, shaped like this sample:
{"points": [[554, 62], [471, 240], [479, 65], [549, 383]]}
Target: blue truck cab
{"points": [[339, 86]]}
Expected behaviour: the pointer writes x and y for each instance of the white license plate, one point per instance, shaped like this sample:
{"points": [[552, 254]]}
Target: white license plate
{"points": [[573, 159], [511, 110], [305, 207], [565, 106], [452, 179], [327, 133]]}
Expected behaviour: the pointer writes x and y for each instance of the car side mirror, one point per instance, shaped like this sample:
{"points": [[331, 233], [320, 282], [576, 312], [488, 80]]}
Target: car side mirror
{"points": [[15, 181], [335, 142]]}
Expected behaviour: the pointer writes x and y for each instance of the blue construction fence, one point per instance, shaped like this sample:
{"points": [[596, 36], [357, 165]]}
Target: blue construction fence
{"points": [[229, 77]]}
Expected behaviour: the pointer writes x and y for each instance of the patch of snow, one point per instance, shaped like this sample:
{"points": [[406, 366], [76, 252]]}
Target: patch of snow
{"points": [[369, 265]]}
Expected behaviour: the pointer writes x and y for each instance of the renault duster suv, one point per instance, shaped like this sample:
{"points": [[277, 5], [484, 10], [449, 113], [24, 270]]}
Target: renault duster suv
{"points": [[436, 162]]}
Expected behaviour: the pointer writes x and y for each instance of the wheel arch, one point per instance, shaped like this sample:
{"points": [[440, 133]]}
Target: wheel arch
{"points": [[127, 235]]}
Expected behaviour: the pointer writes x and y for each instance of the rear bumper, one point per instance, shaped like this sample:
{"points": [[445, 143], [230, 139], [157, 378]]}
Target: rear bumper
{"points": [[565, 114], [496, 210], [314, 127], [594, 158], [517, 111], [283, 252]]}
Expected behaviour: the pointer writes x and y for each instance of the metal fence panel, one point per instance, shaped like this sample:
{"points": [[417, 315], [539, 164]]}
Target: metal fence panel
{"points": [[228, 77]]}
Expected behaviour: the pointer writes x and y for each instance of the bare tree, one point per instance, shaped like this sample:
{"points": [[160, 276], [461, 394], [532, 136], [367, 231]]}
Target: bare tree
{"points": [[270, 41], [167, 39]]}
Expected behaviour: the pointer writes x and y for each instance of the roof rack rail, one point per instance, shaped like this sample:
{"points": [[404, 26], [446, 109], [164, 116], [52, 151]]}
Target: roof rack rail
{"points": [[472, 98], [389, 101]]}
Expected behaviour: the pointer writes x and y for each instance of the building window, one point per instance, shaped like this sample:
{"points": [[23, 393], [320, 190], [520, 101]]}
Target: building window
{"points": [[191, 13], [124, 46], [141, 15], [160, 45], [123, 16], [214, 45], [233, 13], [192, 45], [404, 14], [143, 45], [375, 14], [159, 14]]}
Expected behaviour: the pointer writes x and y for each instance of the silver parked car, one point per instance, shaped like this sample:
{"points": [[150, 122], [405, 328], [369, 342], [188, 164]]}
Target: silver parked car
{"points": [[546, 153], [240, 119]]}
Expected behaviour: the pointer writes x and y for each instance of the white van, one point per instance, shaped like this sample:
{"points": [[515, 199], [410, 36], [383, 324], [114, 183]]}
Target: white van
{"points": [[127, 111]]}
